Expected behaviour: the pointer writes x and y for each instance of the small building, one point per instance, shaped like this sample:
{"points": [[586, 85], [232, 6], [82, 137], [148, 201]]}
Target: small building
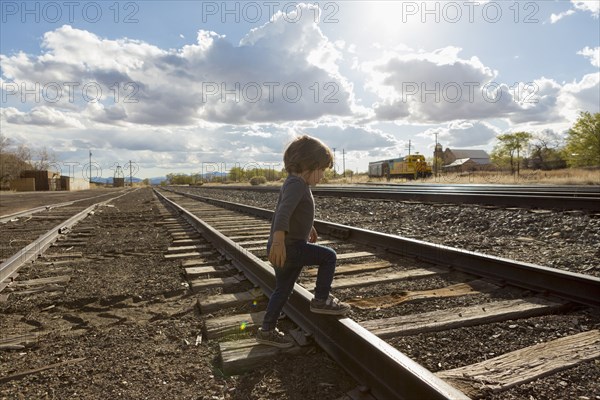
{"points": [[461, 165], [478, 156], [73, 184], [44, 180], [460, 160], [118, 182]]}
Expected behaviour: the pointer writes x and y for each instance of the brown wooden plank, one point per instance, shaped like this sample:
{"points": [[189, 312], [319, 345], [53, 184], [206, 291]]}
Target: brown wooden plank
{"points": [[245, 237], [184, 235], [524, 365], [259, 228], [43, 281], [26, 340], [231, 324], [215, 303], [246, 233], [460, 289], [352, 268], [185, 241], [196, 272], [39, 289], [62, 262], [63, 255], [69, 244], [201, 262], [235, 223], [357, 254], [183, 249], [244, 355], [340, 283], [188, 255], [461, 316], [252, 242], [201, 284], [182, 229]]}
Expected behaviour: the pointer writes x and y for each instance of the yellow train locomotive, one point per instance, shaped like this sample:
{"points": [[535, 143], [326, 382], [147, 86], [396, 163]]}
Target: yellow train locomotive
{"points": [[411, 167]]}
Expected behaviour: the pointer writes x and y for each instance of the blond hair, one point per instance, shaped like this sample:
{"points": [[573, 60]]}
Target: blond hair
{"points": [[307, 153]]}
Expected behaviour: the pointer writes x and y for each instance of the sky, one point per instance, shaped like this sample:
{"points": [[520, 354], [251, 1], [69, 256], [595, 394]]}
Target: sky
{"points": [[203, 86]]}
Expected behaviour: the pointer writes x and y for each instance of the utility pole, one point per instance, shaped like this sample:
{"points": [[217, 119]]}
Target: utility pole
{"points": [[518, 159], [344, 161], [90, 168], [435, 156], [409, 147], [334, 162], [130, 175]]}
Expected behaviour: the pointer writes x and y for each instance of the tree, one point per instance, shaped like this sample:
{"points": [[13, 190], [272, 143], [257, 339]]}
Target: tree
{"points": [[509, 149], [45, 159], [4, 143], [583, 141], [545, 153], [12, 162]]}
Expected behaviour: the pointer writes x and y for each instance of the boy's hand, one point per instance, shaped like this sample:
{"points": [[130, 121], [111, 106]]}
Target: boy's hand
{"points": [[277, 253], [312, 237]]}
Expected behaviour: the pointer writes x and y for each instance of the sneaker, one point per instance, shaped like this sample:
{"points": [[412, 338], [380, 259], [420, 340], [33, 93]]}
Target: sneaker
{"points": [[331, 306], [274, 338]]}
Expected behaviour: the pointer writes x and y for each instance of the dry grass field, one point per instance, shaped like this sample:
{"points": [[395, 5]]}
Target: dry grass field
{"points": [[570, 176]]}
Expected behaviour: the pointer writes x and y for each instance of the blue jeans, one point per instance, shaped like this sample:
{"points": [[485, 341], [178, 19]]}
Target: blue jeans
{"points": [[299, 254]]}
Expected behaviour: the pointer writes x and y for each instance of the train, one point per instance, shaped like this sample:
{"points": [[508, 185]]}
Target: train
{"points": [[411, 167]]}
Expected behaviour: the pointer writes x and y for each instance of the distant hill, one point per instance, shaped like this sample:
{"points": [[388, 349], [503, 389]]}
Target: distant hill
{"points": [[109, 181], [155, 180]]}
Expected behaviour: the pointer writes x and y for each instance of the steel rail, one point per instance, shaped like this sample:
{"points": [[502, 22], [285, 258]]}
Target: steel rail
{"points": [[388, 373], [589, 201], [571, 190], [38, 246], [579, 288], [8, 217]]}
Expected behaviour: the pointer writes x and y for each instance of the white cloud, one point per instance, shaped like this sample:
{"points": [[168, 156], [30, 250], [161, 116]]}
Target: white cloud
{"points": [[593, 6], [280, 71], [592, 54], [437, 86], [440, 86], [554, 18], [463, 134], [40, 116], [580, 96]]}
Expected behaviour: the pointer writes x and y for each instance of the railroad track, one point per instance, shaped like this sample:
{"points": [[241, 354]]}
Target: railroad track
{"points": [[105, 310], [131, 320], [404, 291], [13, 217], [27, 233], [546, 197]]}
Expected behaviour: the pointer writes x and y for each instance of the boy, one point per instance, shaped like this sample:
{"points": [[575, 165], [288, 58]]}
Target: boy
{"points": [[291, 244]]}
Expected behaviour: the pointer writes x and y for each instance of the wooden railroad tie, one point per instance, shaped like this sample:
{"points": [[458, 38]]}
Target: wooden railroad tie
{"points": [[214, 303], [524, 365], [193, 273], [346, 282], [461, 316], [459, 289], [223, 326], [239, 356], [188, 255]]}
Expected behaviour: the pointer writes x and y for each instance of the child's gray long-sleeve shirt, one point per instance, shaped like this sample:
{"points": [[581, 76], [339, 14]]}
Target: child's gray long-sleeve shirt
{"points": [[295, 210]]}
